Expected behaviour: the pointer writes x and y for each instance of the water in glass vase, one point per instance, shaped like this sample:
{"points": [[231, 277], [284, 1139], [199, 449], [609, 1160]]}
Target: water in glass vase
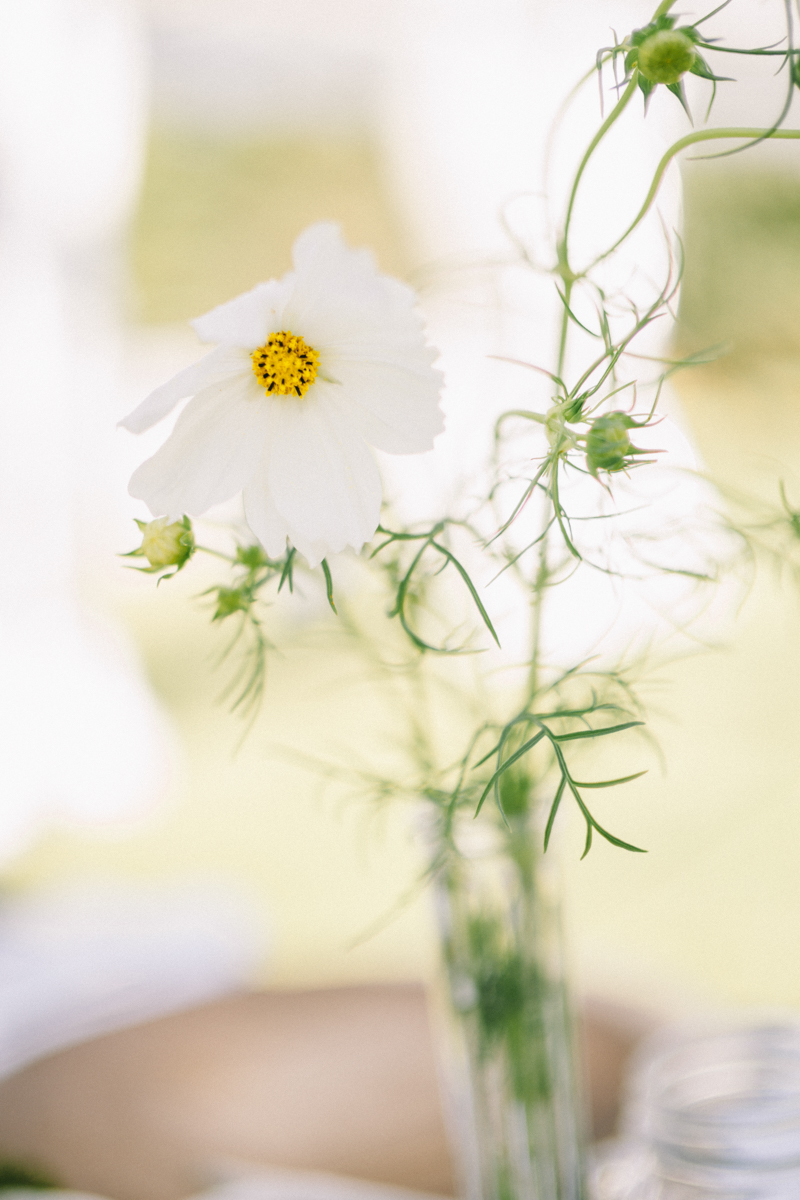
{"points": [[510, 1076]]}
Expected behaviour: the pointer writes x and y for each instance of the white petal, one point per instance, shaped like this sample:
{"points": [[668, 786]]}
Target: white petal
{"points": [[212, 452], [395, 406], [247, 320], [262, 516], [322, 477], [339, 299], [221, 364]]}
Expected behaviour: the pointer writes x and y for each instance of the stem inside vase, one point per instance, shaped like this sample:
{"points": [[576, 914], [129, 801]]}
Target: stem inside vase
{"points": [[510, 1073]]}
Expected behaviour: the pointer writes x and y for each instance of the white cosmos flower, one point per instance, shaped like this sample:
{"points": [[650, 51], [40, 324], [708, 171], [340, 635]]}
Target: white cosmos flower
{"points": [[310, 371]]}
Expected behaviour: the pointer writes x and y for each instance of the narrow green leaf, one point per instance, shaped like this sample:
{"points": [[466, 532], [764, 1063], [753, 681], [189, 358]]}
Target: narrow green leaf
{"points": [[328, 583], [526, 495], [605, 783], [486, 757], [572, 316], [678, 90], [287, 574], [399, 609], [615, 841], [577, 712], [470, 587], [701, 68], [559, 511], [508, 763], [553, 811], [524, 717], [587, 816], [590, 733]]}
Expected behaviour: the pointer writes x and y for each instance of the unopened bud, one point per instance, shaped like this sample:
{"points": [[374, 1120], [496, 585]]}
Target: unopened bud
{"points": [[253, 557], [666, 56], [230, 601], [608, 445], [164, 544]]}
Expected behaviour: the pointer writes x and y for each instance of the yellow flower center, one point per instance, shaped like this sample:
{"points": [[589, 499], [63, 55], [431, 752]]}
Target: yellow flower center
{"points": [[285, 365]]}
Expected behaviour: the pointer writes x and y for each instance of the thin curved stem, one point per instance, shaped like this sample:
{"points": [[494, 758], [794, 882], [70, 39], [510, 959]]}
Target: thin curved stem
{"points": [[613, 116], [216, 553], [564, 269], [765, 50], [691, 139]]}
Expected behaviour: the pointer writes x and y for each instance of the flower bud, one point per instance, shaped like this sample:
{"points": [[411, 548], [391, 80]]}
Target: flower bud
{"points": [[166, 545], [608, 445], [230, 601], [666, 56], [253, 557]]}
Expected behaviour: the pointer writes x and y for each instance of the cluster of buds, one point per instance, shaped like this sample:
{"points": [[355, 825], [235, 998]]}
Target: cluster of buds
{"points": [[257, 569], [663, 54], [165, 544]]}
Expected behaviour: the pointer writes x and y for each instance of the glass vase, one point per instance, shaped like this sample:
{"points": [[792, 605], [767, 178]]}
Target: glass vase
{"points": [[509, 1069]]}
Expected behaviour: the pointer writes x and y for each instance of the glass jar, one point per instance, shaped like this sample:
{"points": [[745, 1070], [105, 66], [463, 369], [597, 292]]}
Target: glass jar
{"points": [[710, 1114]]}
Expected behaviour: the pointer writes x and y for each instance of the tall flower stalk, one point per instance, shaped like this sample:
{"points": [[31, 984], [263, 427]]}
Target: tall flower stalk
{"points": [[314, 369]]}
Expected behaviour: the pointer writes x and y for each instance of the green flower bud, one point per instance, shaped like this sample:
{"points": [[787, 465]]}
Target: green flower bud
{"points": [[608, 445], [230, 601], [666, 56], [165, 545], [253, 557]]}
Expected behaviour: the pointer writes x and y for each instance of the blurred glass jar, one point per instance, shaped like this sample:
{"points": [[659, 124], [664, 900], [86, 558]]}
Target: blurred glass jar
{"points": [[710, 1114]]}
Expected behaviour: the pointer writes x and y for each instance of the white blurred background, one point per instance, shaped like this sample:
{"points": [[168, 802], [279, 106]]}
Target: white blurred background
{"points": [[157, 158]]}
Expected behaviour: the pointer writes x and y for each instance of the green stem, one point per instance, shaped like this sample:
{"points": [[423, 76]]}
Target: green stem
{"points": [[615, 113], [564, 268], [216, 553], [691, 139], [540, 583], [765, 51], [562, 337]]}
